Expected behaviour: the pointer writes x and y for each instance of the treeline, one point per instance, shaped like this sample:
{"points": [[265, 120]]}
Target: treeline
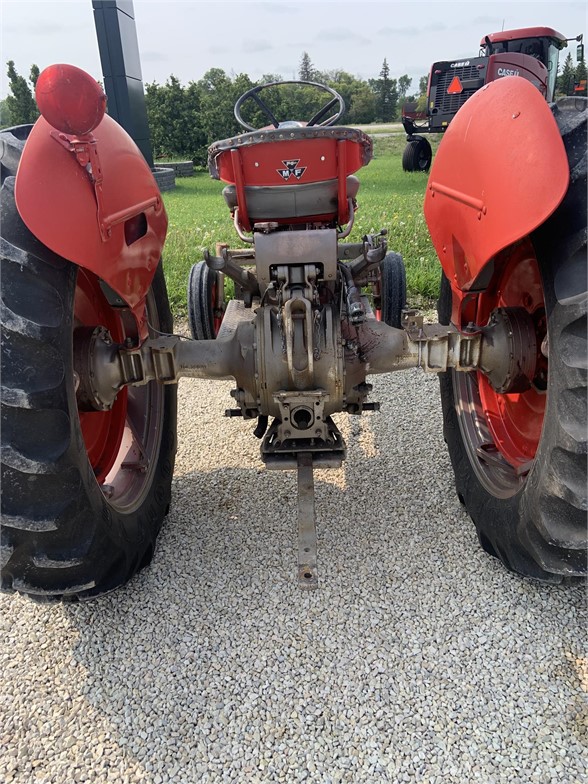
{"points": [[185, 119]]}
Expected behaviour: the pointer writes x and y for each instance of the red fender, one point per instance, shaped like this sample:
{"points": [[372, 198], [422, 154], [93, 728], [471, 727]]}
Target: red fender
{"points": [[98, 226], [500, 172]]}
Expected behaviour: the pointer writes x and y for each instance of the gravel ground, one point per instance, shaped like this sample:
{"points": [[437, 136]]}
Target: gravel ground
{"points": [[419, 659]]}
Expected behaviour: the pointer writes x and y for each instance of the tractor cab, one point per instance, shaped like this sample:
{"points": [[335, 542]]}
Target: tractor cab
{"points": [[542, 43]]}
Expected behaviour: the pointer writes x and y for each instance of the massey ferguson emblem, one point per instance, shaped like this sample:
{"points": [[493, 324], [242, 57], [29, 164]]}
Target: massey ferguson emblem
{"points": [[292, 170]]}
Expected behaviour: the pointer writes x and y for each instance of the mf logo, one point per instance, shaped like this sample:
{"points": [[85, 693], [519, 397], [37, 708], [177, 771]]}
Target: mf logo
{"points": [[292, 170]]}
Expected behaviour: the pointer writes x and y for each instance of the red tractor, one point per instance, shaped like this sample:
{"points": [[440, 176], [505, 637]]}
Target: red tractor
{"points": [[531, 53], [90, 364]]}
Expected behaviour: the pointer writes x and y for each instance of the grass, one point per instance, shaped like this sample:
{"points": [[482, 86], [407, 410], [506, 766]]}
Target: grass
{"points": [[388, 198]]}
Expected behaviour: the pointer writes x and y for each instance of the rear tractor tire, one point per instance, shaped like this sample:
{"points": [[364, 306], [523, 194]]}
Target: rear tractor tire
{"points": [[417, 155], [520, 459], [84, 491]]}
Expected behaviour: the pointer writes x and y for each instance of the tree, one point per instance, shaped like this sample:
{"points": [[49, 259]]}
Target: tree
{"points": [[404, 83], [5, 116], [362, 104], [218, 95], [306, 70], [175, 120], [403, 86], [386, 94], [21, 104], [423, 83], [34, 74], [580, 80], [360, 101], [565, 81]]}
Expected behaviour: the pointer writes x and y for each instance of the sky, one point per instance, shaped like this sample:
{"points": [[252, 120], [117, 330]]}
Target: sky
{"points": [[187, 37]]}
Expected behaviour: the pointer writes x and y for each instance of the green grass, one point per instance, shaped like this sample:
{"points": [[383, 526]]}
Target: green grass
{"points": [[388, 198]]}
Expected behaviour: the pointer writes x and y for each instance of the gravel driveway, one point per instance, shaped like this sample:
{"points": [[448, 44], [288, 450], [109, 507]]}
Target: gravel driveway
{"points": [[419, 659]]}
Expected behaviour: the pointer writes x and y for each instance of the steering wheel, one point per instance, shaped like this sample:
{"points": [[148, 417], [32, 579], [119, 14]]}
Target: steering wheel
{"points": [[336, 100]]}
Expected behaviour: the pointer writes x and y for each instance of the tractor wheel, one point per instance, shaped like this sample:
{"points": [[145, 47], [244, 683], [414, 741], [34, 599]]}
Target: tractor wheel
{"points": [[417, 155], [84, 492], [205, 307], [532, 517], [391, 287]]}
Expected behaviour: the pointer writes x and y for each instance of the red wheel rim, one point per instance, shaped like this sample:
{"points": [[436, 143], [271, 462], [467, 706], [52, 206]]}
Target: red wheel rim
{"points": [[515, 420], [102, 430], [122, 444], [501, 432]]}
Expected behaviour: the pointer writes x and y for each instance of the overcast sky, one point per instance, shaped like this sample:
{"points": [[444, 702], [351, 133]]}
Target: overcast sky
{"points": [[187, 38]]}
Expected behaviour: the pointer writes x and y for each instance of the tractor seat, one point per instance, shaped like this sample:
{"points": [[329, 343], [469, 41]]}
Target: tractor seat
{"points": [[279, 203], [290, 174]]}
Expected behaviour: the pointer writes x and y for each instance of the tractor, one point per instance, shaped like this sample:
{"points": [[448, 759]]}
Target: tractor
{"points": [[90, 362], [530, 53]]}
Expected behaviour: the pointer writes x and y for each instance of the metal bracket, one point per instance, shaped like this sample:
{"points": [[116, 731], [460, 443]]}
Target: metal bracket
{"points": [[279, 451]]}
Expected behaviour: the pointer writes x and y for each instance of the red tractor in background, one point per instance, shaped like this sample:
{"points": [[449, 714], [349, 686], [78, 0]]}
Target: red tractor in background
{"points": [[531, 53], [90, 363]]}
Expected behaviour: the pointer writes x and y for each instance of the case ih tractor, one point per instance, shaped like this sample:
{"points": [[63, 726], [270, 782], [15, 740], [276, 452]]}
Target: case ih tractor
{"points": [[90, 364], [531, 53]]}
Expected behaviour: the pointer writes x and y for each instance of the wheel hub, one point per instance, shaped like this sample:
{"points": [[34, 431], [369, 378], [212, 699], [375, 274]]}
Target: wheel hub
{"points": [[97, 368], [508, 355]]}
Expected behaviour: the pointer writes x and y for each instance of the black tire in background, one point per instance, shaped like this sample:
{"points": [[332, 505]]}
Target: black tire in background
{"points": [[392, 289], [202, 285], [536, 524], [65, 536], [417, 155]]}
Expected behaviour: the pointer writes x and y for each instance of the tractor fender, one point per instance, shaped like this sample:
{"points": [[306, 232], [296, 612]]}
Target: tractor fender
{"points": [[501, 170], [111, 221]]}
